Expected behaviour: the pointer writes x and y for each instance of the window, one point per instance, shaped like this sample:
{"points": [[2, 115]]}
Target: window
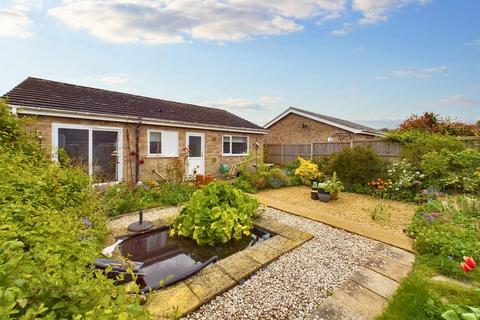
{"points": [[155, 143], [235, 145], [162, 143]]}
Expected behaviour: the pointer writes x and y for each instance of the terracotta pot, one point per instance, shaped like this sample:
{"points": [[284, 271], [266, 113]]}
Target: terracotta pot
{"points": [[208, 179], [324, 197], [314, 195], [199, 178], [334, 195]]}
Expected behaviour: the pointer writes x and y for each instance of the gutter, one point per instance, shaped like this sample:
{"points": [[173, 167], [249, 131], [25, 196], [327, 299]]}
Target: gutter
{"points": [[129, 119]]}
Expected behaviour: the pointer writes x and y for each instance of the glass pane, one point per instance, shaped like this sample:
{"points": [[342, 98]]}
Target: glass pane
{"points": [[105, 157], [75, 143], [226, 144], [239, 145], [195, 146], [155, 142]]}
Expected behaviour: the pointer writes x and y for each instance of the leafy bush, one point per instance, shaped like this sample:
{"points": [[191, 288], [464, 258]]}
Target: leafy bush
{"points": [[44, 246], [433, 123], [307, 172], [357, 166], [216, 213], [243, 183], [277, 178], [415, 144], [403, 182], [453, 171], [120, 199]]}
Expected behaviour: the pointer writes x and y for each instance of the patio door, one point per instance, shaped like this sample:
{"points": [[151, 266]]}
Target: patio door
{"points": [[97, 150], [196, 153]]}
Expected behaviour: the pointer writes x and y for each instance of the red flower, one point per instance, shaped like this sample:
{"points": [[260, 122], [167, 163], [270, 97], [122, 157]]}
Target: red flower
{"points": [[470, 262], [465, 267]]}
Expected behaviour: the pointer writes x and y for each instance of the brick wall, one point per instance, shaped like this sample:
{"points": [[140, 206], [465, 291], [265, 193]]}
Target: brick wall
{"points": [[291, 130], [213, 145]]}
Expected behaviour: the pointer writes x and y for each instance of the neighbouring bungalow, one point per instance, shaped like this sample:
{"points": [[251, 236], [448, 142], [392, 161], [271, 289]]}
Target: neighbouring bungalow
{"points": [[125, 137], [296, 126]]}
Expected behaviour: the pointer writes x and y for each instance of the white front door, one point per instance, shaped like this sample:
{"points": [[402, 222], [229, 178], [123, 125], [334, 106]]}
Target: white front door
{"points": [[196, 153]]}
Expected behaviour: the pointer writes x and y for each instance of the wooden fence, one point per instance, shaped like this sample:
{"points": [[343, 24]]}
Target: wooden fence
{"points": [[284, 153]]}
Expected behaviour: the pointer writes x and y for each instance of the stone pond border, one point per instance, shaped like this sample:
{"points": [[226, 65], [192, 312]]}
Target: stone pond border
{"points": [[188, 295]]}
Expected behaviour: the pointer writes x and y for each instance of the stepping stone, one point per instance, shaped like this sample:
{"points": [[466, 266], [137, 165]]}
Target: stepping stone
{"points": [[388, 267], [447, 280], [360, 300], [331, 309], [375, 282], [396, 254]]}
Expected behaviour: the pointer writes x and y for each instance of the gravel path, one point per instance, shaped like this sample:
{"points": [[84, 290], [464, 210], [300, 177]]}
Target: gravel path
{"points": [[293, 286]]}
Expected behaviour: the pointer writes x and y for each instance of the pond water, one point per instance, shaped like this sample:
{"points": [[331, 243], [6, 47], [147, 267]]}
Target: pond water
{"points": [[168, 260]]}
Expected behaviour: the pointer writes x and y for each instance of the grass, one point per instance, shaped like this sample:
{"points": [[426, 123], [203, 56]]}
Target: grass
{"points": [[445, 230]]}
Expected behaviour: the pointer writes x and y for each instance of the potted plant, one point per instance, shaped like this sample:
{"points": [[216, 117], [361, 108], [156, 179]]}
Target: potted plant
{"points": [[334, 186], [314, 192], [323, 192]]}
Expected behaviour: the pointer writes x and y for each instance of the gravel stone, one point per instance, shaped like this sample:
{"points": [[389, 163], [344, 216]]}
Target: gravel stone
{"points": [[293, 286]]}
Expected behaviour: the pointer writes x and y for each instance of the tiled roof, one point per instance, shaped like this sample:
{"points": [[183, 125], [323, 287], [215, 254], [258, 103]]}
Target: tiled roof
{"points": [[40, 93]]}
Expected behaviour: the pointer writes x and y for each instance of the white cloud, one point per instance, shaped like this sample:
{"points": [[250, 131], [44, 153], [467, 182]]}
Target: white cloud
{"points": [[14, 19], [258, 110], [115, 79], [374, 11], [457, 100], [420, 73], [380, 77], [474, 43], [168, 21]]}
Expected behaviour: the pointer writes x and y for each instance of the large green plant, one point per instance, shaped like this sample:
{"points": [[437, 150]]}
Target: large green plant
{"points": [[453, 171], [216, 213], [415, 143], [45, 248], [357, 166]]}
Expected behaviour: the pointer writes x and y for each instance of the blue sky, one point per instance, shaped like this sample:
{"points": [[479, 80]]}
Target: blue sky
{"points": [[371, 61]]}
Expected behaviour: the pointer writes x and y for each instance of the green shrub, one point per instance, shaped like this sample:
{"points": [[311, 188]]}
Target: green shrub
{"points": [[216, 213], [415, 144], [277, 178], [307, 172], [45, 249], [243, 183], [357, 166], [120, 199], [453, 171]]}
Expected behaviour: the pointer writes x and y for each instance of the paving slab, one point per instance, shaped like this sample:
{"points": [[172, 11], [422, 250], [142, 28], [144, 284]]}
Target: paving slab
{"points": [[239, 266], [362, 301], [399, 255], [172, 301], [332, 309], [282, 244], [375, 282], [263, 253], [388, 267], [209, 282]]}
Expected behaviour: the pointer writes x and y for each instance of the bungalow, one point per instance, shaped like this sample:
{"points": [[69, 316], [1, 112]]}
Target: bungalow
{"points": [[118, 136], [297, 126]]}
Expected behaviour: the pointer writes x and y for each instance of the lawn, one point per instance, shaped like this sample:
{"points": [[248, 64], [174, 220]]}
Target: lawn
{"points": [[395, 216]]}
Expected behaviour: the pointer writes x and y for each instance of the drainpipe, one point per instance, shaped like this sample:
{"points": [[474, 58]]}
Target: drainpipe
{"points": [[137, 152]]}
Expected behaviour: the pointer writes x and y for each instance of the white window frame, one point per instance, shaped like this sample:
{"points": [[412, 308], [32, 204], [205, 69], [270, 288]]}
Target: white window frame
{"points": [[231, 139], [90, 128], [160, 155]]}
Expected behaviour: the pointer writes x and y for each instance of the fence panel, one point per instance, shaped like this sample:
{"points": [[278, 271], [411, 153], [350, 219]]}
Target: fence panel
{"points": [[327, 149]]}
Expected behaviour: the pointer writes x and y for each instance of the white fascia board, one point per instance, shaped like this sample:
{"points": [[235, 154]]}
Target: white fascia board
{"points": [[309, 116], [128, 119]]}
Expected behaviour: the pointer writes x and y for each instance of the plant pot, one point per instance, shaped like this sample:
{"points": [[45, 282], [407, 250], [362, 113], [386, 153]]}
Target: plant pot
{"points": [[208, 178], [334, 195], [321, 190], [324, 196], [314, 195]]}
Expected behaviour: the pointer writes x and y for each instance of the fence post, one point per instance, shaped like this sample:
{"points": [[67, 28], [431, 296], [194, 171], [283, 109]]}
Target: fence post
{"points": [[311, 151], [281, 158]]}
